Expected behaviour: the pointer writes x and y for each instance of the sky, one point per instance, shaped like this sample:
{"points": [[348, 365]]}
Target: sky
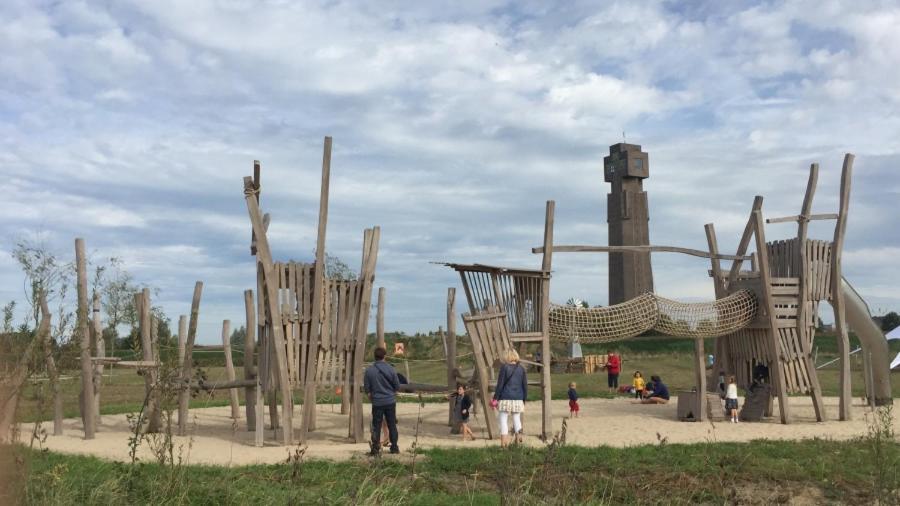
{"points": [[132, 123]]}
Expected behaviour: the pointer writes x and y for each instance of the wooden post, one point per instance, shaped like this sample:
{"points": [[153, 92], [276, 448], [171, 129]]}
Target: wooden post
{"points": [[700, 378], [187, 367], [805, 332], [379, 318], [250, 372], [451, 345], [87, 370], [100, 352], [182, 337], [309, 392], [229, 369], [720, 360], [775, 371], [52, 372], [837, 293], [546, 264], [150, 375], [270, 282]]}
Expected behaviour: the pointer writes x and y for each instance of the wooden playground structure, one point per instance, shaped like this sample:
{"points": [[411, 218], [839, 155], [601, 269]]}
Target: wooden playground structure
{"points": [[763, 315], [306, 330]]}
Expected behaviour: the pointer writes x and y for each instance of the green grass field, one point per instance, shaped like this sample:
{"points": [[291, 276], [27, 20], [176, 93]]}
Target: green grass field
{"points": [[864, 470]]}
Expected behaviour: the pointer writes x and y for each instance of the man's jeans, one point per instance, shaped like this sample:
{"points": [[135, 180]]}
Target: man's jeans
{"points": [[389, 413]]}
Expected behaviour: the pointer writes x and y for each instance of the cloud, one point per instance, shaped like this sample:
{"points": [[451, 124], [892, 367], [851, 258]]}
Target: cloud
{"points": [[131, 124]]}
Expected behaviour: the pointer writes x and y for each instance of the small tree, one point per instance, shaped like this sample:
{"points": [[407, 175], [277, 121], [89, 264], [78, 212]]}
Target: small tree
{"points": [[890, 321], [238, 336]]}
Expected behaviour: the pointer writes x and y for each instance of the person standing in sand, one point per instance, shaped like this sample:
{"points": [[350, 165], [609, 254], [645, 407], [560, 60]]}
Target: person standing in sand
{"points": [[731, 399], [613, 368], [382, 384], [509, 396]]}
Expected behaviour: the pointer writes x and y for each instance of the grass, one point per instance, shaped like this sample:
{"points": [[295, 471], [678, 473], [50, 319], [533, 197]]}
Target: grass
{"points": [[761, 472]]}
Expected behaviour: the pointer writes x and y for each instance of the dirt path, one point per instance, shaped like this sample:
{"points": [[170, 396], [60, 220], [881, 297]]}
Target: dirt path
{"points": [[216, 439]]}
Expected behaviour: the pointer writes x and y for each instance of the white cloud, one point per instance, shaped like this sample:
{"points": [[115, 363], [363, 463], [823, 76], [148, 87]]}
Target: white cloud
{"points": [[132, 124]]}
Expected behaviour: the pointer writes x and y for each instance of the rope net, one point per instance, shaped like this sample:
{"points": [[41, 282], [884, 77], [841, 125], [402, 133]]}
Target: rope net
{"points": [[651, 312]]}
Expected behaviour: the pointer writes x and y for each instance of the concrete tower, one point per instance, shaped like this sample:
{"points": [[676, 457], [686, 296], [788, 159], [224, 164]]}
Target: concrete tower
{"points": [[628, 217]]}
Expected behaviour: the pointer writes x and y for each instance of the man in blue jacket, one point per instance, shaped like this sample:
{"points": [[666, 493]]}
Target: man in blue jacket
{"points": [[382, 384]]}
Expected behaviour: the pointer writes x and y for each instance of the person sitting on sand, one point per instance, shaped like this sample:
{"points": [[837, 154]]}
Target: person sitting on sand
{"points": [[659, 394]]}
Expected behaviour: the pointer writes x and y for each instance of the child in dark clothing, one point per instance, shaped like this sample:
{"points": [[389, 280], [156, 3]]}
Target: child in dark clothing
{"points": [[574, 408], [465, 409]]}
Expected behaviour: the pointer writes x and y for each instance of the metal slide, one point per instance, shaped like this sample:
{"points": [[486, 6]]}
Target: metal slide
{"points": [[874, 346]]}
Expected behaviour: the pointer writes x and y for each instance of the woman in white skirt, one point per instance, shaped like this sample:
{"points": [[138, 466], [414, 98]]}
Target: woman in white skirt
{"points": [[509, 396]]}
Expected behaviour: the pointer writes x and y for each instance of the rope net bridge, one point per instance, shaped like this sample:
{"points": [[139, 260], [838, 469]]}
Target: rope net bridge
{"points": [[652, 312]]}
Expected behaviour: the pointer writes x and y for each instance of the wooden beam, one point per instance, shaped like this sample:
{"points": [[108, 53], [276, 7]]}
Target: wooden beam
{"points": [[270, 282], [187, 367], [151, 375], [837, 293], [84, 339], [745, 240], [639, 249], [546, 265], [802, 218]]}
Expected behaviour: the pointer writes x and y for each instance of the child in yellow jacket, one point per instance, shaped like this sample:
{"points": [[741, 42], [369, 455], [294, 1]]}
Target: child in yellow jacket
{"points": [[638, 384]]}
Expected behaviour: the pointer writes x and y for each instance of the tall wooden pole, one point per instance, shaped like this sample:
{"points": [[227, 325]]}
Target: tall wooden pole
{"points": [[379, 318], [187, 367], [546, 265], [52, 372], [100, 351], [250, 372], [837, 292], [776, 373], [87, 373], [150, 374], [309, 394], [451, 345], [805, 331], [229, 369]]}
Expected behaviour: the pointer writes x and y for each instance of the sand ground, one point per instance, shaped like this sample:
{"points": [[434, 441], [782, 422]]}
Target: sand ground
{"points": [[214, 438]]}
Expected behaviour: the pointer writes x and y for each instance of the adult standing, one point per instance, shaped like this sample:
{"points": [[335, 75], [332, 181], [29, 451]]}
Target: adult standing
{"points": [[382, 384], [509, 396], [613, 368]]}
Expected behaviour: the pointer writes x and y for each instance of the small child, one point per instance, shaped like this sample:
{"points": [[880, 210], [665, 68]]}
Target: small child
{"points": [[465, 407], [574, 408], [731, 399], [638, 384]]}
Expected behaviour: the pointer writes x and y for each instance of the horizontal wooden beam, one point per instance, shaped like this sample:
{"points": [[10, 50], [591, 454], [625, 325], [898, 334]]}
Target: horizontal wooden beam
{"points": [[796, 218], [640, 249]]}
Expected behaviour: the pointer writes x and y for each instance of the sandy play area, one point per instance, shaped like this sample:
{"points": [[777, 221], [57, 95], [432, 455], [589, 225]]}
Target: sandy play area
{"points": [[216, 439]]}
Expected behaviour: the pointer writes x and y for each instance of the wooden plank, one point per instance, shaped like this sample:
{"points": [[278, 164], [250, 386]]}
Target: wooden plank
{"points": [[837, 295], [187, 366], [84, 340], [50, 364], [638, 249], [803, 218], [451, 347], [776, 364], [482, 376], [264, 256], [700, 379], [150, 377]]}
